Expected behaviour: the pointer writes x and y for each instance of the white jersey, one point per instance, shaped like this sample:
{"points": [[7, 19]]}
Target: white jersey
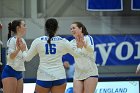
{"points": [[17, 63], [85, 65], [50, 66]]}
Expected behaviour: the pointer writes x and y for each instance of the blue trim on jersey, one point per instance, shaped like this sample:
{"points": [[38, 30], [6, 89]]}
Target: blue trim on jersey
{"points": [[91, 40], [57, 38], [49, 84], [44, 38], [8, 71]]}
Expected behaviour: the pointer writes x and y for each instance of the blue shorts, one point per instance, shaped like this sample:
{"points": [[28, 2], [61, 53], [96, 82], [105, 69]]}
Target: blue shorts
{"points": [[8, 71], [49, 84]]}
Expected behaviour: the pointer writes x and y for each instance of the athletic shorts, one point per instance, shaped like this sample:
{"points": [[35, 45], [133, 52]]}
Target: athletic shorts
{"points": [[49, 84], [8, 71]]}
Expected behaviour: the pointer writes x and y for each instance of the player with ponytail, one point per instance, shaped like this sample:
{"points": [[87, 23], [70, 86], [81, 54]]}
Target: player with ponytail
{"points": [[12, 78]]}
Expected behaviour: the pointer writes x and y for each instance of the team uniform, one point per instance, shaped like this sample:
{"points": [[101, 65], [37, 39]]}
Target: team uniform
{"points": [[51, 69], [85, 65], [15, 66]]}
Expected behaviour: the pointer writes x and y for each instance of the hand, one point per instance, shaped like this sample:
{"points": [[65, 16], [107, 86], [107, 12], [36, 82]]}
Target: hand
{"points": [[22, 45], [80, 40], [18, 44], [66, 64]]}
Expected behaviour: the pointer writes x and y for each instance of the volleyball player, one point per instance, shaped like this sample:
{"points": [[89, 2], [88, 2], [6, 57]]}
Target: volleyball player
{"points": [[86, 72], [12, 73]]}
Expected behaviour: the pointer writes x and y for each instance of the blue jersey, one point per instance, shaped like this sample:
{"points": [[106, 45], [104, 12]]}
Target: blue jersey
{"points": [[68, 57]]}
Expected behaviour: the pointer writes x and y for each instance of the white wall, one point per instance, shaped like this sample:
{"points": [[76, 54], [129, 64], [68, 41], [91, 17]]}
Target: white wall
{"points": [[11, 8]]}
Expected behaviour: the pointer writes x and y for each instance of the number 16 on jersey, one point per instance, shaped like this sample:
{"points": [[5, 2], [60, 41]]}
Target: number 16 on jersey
{"points": [[50, 48]]}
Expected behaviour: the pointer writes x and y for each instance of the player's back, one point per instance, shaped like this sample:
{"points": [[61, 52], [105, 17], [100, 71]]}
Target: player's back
{"points": [[50, 54]]}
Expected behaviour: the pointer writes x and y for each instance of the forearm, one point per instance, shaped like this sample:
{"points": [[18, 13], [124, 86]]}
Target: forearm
{"points": [[28, 55], [14, 54]]}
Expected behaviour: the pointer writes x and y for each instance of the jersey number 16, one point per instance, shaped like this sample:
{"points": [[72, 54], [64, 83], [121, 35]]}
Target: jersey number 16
{"points": [[50, 49]]}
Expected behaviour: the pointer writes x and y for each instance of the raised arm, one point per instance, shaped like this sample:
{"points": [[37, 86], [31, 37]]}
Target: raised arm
{"points": [[71, 47], [89, 46], [28, 55], [13, 49]]}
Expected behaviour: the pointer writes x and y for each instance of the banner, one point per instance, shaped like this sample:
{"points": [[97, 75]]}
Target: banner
{"points": [[135, 5], [111, 87], [117, 49], [104, 5], [102, 87]]}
